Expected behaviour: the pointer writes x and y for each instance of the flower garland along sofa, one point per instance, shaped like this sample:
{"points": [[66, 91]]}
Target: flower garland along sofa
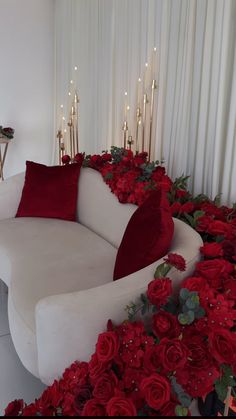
{"points": [[59, 274]]}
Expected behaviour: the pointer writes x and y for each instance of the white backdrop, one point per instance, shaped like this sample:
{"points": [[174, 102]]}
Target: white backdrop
{"points": [[110, 41], [26, 80]]}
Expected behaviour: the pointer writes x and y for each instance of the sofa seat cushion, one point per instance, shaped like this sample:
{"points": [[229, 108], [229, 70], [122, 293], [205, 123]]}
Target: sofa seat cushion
{"points": [[44, 257]]}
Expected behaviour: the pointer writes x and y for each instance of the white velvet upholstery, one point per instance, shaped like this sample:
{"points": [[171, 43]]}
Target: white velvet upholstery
{"points": [[59, 274]]}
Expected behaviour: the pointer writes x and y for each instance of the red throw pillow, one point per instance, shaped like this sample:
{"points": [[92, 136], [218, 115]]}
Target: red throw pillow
{"points": [[50, 192], [147, 237]]}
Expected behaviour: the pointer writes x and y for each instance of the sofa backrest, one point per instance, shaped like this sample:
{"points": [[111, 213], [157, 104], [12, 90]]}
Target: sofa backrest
{"points": [[100, 210]]}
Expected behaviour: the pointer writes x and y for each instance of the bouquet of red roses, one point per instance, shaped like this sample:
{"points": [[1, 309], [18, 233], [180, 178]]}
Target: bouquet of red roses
{"points": [[183, 350]]}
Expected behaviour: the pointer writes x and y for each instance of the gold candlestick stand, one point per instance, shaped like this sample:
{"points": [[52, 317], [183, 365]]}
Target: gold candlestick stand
{"points": [[138, 124], [5, 143], [154, 87], [125, 129], [145, 102], [61, 146]]}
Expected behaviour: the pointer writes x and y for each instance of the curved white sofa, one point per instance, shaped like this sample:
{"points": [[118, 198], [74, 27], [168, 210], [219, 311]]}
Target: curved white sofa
{"points": [[59, 274]]}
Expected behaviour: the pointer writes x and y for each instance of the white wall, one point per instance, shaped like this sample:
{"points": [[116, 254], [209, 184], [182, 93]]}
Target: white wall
{"points": [[27, 79]]}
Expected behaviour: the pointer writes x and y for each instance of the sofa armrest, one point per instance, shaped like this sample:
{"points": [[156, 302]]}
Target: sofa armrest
{"points": [[67, 325], [10, 194]]}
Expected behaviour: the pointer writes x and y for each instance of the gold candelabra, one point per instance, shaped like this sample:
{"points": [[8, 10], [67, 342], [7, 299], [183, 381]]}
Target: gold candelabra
{"points": [[72, 147], [126, 130], [61, 146]]}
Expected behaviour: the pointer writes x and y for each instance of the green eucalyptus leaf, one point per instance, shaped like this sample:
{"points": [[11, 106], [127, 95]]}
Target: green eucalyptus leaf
{"points": [[190, 304], [181, 411], [184, 294]]}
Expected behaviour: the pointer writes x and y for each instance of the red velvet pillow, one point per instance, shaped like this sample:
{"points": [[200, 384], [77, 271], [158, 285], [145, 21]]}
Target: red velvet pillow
{"points": [[50, 192], [147, 237]]}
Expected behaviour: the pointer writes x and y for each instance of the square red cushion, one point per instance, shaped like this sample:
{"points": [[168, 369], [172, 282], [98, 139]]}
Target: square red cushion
{"points": [[147, 237], [50, 192]]}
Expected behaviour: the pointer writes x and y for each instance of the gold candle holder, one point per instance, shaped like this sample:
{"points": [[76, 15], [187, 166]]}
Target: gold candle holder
{"points": [[61, 147], [125, 129], [130, 141], [76, 102], [154, 87], [138, 124], [145, 101], [70, 125]]}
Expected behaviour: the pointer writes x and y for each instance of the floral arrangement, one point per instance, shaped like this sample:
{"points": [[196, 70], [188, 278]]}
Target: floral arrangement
{"points": [[171, 349], [7, 132]]}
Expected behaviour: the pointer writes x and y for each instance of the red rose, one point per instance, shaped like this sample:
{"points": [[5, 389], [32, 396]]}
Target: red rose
{"points": [[175, 208], [15, 408], [79, 158], [176, 261], [119, 406], [50, 399], [30, 411], [212, 250], [156, 391], [229, 247], [180, 193], [66, 159], [96, 368], [107, 346], [215, 271], [152, 360], [74, 376], [104, 387], [165, 183], [68, 405], [94, 408], [173, 354], [159, 291], [164, 324], [187, 208], [81, 395], [222, 344], [107, 157], [203, 223], [219, 228]]}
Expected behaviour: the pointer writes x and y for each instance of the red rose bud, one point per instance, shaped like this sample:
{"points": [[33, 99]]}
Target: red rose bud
{"points": [[165, 324], [66, 159]]}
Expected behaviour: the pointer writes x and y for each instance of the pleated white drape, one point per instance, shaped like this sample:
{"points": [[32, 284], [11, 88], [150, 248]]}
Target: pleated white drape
{"points": [[195, 112]]}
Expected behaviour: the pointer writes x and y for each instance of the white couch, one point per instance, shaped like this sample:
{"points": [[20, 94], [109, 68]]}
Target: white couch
{"points": [[59, 274]]}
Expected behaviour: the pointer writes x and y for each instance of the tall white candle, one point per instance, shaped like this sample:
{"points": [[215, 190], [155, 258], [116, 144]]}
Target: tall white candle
{"points": [[126, 104], [139, 92], [154, 63], [147, 81]]}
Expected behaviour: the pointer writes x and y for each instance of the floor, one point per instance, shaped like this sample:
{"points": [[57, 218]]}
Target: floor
{"points": [[15, 381]]}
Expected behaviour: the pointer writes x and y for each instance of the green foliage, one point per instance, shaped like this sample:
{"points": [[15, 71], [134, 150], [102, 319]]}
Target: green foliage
{"points": [[225, 381], [183, 397], [117, 154], [217, 200], [181, 182], [181, 411], [193, 219], [148, 169], [190, 307], [162, 270]]}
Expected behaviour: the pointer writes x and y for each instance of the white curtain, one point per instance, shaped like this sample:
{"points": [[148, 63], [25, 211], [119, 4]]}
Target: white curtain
{"points": [[195, 112]]}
